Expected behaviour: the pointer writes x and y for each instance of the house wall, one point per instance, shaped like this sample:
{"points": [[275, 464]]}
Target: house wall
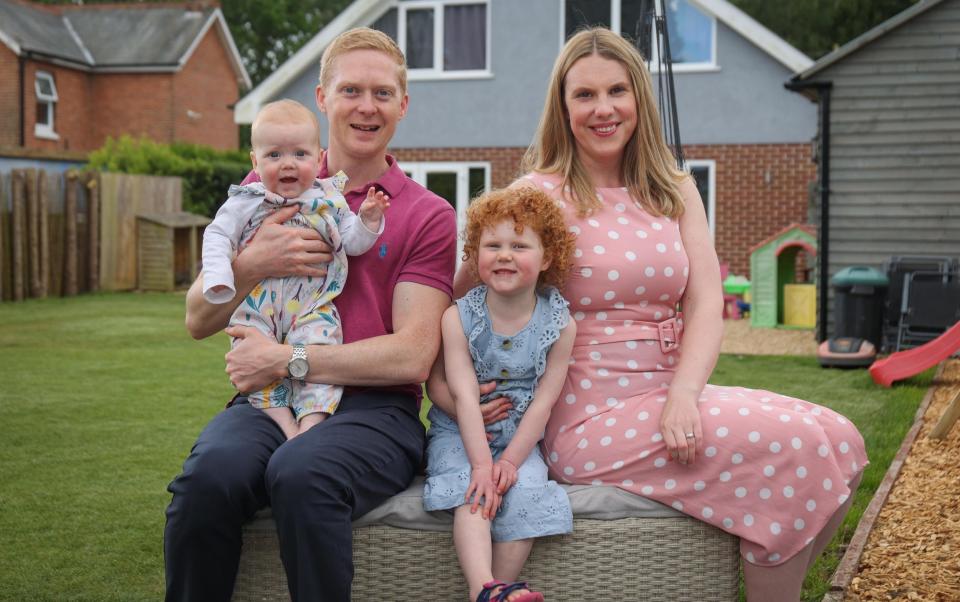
{"points": [[71, 120], [138, 104], [895, 144], [9, 98], [207, 87], [760, 189]]}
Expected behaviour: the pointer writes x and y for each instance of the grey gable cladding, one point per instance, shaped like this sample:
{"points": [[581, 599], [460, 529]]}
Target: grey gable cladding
{"points": [[127, 37]]}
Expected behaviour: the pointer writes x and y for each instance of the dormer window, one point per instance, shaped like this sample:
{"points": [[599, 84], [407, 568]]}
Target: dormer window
{"points": [[693, 34], [46, 90], [440, 38]]}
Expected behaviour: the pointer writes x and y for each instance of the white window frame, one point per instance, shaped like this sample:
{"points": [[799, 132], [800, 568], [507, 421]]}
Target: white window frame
{"points": [[437, 72], [46, 130], [711, 166], [418, 173], [616, 25]]}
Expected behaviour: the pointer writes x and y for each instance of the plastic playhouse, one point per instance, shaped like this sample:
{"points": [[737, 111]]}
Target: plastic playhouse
{"points": [[776, 297]]}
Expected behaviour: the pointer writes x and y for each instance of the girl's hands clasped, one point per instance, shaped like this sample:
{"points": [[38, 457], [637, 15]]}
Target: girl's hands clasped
{"points": [[681, 428], [504, 475], [483, 492]]}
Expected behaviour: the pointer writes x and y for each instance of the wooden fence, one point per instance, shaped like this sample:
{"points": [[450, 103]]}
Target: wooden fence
{"points": [[63, 234]]}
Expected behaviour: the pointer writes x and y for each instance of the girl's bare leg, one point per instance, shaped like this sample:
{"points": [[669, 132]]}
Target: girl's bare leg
{"points": [[508, 558], [471, 537], [285, 420]]}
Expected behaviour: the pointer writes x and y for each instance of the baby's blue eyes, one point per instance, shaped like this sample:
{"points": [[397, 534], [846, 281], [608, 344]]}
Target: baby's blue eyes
{"points": [[301, 154], [274, 155]]}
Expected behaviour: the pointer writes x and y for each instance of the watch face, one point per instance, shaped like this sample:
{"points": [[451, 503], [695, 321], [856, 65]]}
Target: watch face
{"points": [[298, 367]]}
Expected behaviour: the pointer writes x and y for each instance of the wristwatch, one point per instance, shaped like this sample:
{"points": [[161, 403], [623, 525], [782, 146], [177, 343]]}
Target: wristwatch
{"points": [[298, 366]]}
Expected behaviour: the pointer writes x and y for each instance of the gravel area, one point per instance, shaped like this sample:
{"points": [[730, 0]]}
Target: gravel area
{"points": [[913, 551], [740, 339]]}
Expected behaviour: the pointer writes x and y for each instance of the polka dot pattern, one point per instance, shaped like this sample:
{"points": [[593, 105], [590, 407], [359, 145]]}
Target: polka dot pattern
{"points": [[773, 468]]}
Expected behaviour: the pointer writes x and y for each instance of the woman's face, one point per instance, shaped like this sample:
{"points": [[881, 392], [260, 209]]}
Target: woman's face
{"points": [[600, 105]]}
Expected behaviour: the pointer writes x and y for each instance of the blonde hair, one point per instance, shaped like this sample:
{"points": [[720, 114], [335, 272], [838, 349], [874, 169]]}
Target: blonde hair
{"points": [[528, 208], [648, 168], [284, 111], [362, 38]]}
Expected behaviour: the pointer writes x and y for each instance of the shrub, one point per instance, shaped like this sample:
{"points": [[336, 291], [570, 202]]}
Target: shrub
{"points": [[206, 172]]}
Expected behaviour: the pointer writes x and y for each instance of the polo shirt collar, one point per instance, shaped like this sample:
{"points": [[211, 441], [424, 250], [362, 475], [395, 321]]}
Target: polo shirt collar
{"points": [[391, 181]]}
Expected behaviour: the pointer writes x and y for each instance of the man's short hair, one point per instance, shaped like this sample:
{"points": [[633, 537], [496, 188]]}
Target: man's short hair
{"points": [[362, 38]]}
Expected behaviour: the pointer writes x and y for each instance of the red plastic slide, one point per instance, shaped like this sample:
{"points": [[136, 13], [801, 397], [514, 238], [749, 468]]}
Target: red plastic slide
{"points": [[904, 364]]}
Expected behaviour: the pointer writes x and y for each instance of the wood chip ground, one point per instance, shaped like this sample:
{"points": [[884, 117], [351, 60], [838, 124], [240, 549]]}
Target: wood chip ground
{"points": [[913, 552], [739, 338]]}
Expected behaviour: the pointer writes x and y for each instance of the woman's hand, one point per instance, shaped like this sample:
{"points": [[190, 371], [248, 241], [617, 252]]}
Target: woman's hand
{"points": [[680, 419], [504, 475], [277, 251], [482, 486], [255, 360], [494, 410]]}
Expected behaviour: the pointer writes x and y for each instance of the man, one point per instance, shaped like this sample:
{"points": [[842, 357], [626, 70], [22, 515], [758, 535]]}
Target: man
{"points": [[317, 482]]}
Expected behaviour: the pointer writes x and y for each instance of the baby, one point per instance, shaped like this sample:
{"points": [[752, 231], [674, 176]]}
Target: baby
{"points": [[298, 310]]}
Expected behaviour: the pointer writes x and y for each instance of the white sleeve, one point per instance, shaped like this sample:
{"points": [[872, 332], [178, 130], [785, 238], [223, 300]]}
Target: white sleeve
{"points": [[220, 240], [357, 239]]}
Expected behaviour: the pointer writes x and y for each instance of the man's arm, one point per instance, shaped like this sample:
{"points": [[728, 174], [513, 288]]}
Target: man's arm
{"points": [[403, 357]]}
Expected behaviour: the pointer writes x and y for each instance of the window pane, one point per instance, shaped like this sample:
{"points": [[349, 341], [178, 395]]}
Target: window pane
{"points": [[387, 23], [420, 39], [690, 33], [443, 184], [701, 176], [43, 114], [581, 13], [465, 37], [478, 181], [636, 19]]}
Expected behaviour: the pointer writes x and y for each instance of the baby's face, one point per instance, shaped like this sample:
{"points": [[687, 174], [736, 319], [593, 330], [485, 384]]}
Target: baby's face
{"points": [[286, 157]]}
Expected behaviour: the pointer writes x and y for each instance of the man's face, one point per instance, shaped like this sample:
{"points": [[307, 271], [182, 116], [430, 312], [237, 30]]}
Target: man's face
{"points": [[363, 102]]}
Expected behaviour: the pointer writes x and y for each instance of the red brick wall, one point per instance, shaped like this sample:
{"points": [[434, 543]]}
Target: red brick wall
{"points": [[71, 121], [206, 86], [749, 205], [9, 98], [137, 104]]}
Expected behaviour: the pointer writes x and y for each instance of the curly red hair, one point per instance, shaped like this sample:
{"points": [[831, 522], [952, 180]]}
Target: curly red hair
{"points": [[527, 208]]}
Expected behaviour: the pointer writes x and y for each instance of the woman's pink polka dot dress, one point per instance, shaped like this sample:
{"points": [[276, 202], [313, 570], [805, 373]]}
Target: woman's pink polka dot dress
{"points": [[773, 469]]}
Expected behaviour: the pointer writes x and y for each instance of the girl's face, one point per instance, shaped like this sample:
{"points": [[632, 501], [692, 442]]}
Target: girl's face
{"points": [[601, 108], [510, 263]]}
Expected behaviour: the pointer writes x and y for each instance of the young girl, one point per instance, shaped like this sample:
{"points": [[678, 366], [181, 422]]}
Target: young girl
{"points": [[513, 329]]}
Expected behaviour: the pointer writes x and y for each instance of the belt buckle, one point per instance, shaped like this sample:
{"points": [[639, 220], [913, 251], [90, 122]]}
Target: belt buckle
{"points": [[669, 332]]}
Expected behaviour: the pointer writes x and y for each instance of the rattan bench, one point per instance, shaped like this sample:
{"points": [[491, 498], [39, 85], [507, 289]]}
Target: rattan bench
{"points": [[623, 547]]}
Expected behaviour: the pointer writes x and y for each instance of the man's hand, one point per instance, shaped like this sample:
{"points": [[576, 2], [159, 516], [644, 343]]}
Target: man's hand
{"points": [[255, 360], [277, 251], [373, 208], [496, 409]]}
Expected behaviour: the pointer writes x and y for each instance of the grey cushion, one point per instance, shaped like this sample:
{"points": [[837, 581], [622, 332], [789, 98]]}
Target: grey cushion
{"points": [[405, 510]]}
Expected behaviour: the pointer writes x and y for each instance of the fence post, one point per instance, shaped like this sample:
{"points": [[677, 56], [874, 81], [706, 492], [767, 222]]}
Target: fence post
{"points": [[43, 207], [93, 231], [70, 223], [33, 233], [17, 218]]}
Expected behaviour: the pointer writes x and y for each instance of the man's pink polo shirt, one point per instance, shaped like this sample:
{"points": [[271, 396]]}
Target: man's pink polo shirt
{"points": [[418, 244]]}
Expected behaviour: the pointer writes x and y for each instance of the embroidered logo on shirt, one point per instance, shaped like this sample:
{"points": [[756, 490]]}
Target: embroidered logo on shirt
{"points": [[383, 250]]}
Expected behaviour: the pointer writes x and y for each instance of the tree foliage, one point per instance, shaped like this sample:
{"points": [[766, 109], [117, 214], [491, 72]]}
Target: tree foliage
{"points": [[815, 27]]}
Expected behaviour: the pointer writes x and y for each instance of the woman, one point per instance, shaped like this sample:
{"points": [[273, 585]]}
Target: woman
{"points": [[635, 411]]}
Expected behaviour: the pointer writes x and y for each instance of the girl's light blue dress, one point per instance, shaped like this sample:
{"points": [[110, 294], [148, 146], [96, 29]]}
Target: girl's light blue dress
{"points": [[535, 506]]}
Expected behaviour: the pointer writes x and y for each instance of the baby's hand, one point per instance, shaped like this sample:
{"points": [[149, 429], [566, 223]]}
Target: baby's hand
{"points": [[373, 208], [218, 288]]}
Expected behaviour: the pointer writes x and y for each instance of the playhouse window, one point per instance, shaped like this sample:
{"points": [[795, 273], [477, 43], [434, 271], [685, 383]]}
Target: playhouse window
{"points": [[46, 91], [440, 38]]}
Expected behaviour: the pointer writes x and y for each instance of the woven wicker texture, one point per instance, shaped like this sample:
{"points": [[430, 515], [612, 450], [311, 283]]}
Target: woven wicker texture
{"points": [[627, 559]]}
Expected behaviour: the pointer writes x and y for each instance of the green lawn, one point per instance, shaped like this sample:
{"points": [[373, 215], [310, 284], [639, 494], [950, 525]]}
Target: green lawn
{"points": [[104, 394]]}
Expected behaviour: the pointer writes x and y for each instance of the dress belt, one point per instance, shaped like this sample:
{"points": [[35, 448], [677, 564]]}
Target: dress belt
{"points": [[668, 332]]}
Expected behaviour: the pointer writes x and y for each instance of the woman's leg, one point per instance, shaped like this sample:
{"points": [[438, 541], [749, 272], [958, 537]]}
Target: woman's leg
{"points": [[784, 581], [471, 537]]}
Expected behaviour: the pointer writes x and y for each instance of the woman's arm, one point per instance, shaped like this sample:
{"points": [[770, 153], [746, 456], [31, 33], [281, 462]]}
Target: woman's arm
{"points": [[702, 305], [274, 251], [535, 418]]}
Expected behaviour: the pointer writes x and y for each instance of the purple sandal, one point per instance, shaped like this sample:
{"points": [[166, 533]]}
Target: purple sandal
{"points": [[487, 595]]}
